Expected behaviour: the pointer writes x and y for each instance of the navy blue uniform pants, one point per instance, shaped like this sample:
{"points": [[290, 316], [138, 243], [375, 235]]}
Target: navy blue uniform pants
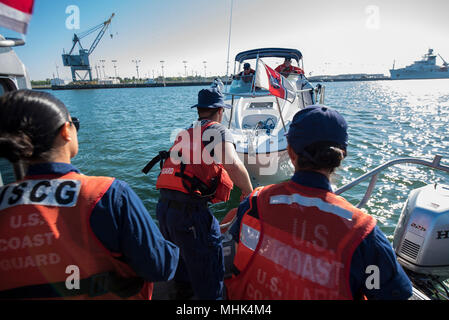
{"points": [[191, 226]]}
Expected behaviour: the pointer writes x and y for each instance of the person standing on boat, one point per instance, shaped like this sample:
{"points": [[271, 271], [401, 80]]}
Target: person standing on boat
{"points": [[63, 234], [247, 74], [187, 185], [286, 68], [298, 240]]}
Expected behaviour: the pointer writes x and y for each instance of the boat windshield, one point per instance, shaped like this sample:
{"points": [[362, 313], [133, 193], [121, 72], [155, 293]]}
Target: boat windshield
{"points": [[293, 77], [240, 85], [243, 84]]}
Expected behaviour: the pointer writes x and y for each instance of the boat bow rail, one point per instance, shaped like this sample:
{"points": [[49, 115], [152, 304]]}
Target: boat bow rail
{"points": [[11, 42], [373, 174]]}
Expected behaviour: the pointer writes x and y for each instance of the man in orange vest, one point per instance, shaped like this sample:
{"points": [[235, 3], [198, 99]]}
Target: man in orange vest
{"points": [[298, 240], [65, 235], [202, 168], [286, 68], [247, 74]]}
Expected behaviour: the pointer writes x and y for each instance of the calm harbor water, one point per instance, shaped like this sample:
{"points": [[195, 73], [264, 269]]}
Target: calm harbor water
{"points": [[121, 129]]}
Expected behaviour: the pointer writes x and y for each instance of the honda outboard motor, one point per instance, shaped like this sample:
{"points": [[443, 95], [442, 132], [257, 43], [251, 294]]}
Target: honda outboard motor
{"points": [[421, 238]]}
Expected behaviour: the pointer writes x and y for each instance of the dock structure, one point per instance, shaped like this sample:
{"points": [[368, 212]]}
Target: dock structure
{"points": [[349, 77], [129, 85], [86, 85]]}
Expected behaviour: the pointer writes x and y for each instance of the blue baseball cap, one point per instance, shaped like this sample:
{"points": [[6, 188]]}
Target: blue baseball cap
{"points": [[246, 66], [211, 98], [314, 124]]}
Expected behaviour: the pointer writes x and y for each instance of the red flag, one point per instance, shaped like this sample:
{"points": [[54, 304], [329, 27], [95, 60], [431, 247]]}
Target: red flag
{"points": [[274, 82], [16, 14]]}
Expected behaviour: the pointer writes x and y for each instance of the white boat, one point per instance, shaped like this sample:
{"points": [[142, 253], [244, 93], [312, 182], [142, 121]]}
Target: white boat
{"points": [[426, 68], [259, 120]]}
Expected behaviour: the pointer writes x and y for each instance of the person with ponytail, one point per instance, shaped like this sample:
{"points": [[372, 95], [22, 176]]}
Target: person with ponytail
{"points": [[297, 240], [65, 235]]}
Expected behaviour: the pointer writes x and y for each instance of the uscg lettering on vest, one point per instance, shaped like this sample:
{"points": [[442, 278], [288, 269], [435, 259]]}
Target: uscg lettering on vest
{"points": [[55, 192], [318, 270]]}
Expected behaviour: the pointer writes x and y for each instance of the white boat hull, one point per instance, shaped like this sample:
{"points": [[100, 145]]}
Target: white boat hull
{"points": [[267, 168], [258, 124]]}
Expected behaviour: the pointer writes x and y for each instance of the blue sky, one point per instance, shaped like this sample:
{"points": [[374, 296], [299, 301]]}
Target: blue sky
{"points": [[335, 36]]}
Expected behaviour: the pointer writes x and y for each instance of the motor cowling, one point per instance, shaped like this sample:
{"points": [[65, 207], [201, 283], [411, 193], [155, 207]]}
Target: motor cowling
{"points": [[421, 237]]}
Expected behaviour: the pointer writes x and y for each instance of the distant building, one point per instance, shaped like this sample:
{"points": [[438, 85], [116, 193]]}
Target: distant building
{"points": [[109, 81], [150, 81], [57, 82], [347, 77], [351, 76]]}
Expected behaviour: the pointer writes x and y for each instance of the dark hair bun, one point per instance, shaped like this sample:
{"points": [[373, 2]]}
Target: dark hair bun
{"points": [[329, 157], [15, 147], [322, 155], [29, 122]]}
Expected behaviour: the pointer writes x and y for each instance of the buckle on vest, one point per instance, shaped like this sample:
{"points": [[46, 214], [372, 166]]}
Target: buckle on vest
{"points": [[99, 284]]}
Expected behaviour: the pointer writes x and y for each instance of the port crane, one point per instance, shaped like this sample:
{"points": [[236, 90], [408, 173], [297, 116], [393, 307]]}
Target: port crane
{"points": [[445, 64], [80, 62]]}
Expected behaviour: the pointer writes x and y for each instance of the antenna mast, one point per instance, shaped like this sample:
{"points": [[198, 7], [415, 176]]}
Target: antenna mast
{"points": [[229, 45]]}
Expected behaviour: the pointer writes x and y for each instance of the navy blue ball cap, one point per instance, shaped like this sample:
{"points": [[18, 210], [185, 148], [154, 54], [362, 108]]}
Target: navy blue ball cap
{"points": [[211, 98], [246, 66], [315, 124]]}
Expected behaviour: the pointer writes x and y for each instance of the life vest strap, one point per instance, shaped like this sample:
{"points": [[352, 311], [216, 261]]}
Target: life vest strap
{"points": [[206, 192], [96, 285], [159, 158]]}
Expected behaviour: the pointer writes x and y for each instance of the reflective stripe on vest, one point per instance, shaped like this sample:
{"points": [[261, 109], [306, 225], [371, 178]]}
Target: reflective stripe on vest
{"points": [[249, 235], [306, 238], [311, 202], [45, 231]]}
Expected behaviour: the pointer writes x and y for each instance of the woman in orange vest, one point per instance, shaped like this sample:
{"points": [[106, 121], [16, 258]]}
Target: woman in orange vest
{"points": [[297, 240], [64, 234]]}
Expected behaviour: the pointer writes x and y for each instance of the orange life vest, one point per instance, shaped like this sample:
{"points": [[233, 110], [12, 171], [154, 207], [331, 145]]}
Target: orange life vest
{"points": [[300, 247], [292, 69], [45, 239], [191, 169]]}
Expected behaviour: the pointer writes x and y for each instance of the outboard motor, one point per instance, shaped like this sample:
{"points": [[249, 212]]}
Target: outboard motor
{"points": [[421, 239]]}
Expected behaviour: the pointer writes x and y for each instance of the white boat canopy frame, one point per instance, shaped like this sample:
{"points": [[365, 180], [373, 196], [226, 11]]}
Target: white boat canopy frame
{"points": [[269, 52]]}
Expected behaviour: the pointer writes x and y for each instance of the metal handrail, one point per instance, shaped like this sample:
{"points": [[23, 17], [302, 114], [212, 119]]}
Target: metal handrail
{"points": [[373, 174], [11, 42]]}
